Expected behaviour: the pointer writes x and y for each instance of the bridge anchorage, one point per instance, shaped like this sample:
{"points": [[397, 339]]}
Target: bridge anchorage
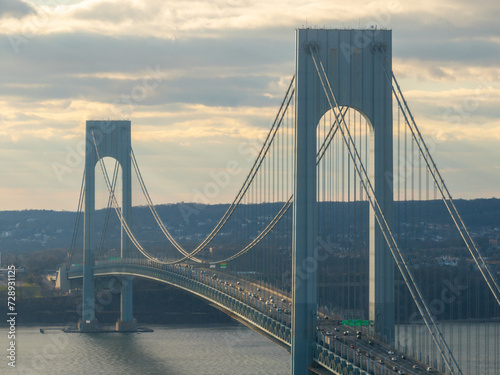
{"points": [[326, 251]]}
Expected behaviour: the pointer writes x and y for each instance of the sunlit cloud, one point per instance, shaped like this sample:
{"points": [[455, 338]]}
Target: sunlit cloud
{"points": [[195, 75]]}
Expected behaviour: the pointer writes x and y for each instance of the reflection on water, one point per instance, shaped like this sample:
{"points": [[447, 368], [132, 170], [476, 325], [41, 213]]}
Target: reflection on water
{"points": [[217, 349]]}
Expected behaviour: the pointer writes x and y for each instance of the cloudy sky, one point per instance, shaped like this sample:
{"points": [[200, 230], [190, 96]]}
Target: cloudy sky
{"points": [[199, 78]]}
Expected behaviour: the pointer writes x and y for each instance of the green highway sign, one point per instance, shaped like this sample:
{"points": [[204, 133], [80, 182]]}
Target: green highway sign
{"points": [[356, 323]]}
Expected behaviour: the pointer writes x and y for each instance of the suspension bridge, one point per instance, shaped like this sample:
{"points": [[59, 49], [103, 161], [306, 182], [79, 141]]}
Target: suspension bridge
{"points": [[343, 243]]}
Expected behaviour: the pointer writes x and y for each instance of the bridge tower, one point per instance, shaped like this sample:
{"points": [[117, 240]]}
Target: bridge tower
{"points": [[106, 139], [355, 69]]}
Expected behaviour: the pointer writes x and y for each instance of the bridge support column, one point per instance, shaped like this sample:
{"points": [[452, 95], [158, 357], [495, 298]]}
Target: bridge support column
{"points": [[304, 277], [88, 303], [106, 139], [126, 322], [354, 62], [126, 310]]}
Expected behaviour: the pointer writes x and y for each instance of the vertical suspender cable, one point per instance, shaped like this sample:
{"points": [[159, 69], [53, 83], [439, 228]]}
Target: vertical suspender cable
{"points": [[445, 194], [424, 310], [109, 206], [77, 221]]}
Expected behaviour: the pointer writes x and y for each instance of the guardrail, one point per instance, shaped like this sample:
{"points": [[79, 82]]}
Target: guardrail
{"points": [[332, 355]]}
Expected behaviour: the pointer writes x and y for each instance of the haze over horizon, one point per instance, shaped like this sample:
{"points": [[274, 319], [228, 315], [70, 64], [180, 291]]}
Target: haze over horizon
{"points": [[202, 81]]}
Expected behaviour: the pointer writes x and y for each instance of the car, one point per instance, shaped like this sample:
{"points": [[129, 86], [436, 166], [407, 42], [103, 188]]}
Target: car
{"points": [[346, 333], [258, 289], [394, 359], [328, 333], [395, 368], [415, 367], [401, 372], [370, 342], [430, 369], [358, 337], [380, 361], [403, 356], [390, 352]]}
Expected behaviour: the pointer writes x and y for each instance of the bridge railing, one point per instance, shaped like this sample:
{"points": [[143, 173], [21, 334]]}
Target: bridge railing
{"points": [[206, 278], [331, 353], [335, 348]]}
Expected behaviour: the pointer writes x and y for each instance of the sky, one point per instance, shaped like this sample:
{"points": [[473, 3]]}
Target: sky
{"points": [[200, 78]]}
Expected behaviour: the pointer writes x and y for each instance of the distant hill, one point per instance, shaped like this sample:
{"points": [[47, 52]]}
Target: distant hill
{"points": [[34, 230]]}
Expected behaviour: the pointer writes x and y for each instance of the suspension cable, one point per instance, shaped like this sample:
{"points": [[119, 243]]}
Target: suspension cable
{"points": [[119, 213], [262, 234], [250, 177], [284, 209], [77, 221], [136, 242], [382, 221], [108, 212], [440, 184], [153, 209], [319, 156]]}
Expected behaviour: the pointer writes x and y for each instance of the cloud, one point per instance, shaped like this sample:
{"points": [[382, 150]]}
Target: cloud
{"points": [[103, 72], [220, 69], [15, 9]]}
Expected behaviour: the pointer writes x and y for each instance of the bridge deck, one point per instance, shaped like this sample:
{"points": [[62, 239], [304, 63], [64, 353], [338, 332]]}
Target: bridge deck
{"points": [[333, 355]]}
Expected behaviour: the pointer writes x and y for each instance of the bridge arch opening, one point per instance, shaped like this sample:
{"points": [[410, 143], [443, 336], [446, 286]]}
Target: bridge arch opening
{"points": [[105, 139], [108, 241], [343, 215], [114, 173], [329, 76]]}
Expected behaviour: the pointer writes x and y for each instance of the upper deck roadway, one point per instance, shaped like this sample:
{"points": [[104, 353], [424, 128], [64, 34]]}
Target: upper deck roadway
{"points": [[338, 349]]}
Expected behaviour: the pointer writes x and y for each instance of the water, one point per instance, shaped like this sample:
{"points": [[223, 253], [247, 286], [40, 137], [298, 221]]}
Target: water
{"points": [[215, 349], [184, 350]]}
